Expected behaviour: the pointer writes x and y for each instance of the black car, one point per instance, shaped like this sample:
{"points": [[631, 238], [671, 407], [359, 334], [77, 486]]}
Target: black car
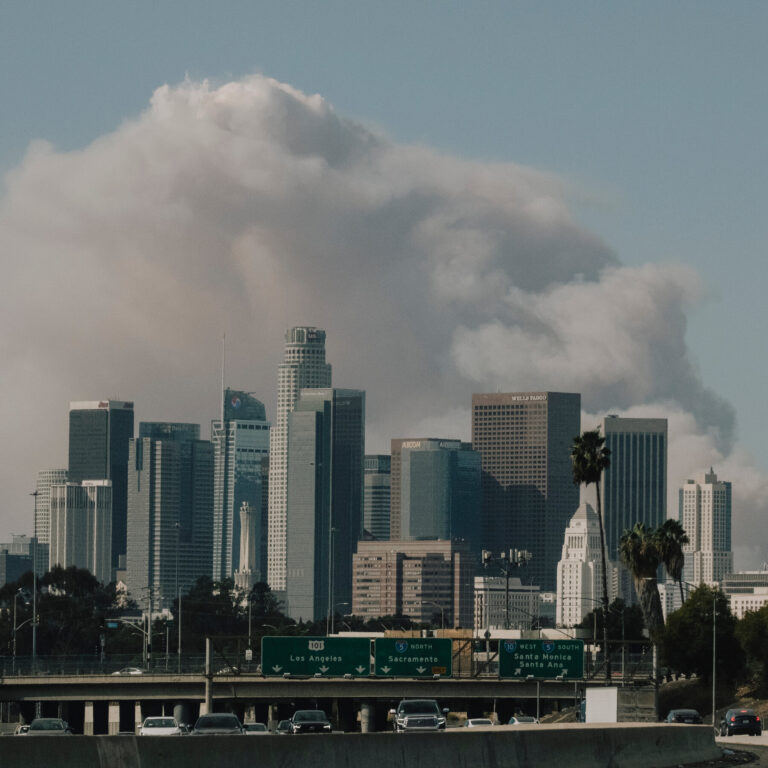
{"points": [[741, 721], [683, 716], [310, 721], [217, 724]]}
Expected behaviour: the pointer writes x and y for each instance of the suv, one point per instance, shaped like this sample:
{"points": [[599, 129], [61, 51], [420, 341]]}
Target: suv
{"points": [[310, 721], [418, 715]]}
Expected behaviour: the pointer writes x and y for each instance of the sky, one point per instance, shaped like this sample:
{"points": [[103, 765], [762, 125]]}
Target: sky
{"points": [[467, 196]]}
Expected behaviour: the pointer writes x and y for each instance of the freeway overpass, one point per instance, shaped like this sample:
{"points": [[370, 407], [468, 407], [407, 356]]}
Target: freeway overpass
{"points": [[112, 704]]}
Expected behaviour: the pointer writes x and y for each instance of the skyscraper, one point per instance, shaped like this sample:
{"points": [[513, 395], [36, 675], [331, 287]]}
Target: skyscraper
{"points": [[42, 525], [99, 432], [303, 367], [634, 486], [326, 448], [240, 445], [376, 494], [81, 527], [170, 502], [440, 491], [525, 441], [705, 513]]}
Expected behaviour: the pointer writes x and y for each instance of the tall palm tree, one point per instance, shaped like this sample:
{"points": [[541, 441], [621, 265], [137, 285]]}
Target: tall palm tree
{"points": [[590, 458], [670, 540], [640, 554]]}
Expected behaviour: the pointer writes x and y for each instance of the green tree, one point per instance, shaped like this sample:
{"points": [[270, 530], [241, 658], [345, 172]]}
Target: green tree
{"points": [[638, 551], [590, 458], [670, 540], [751, 632], [687, 638]]}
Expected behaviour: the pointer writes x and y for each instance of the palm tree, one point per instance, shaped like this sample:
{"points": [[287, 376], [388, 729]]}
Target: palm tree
{"points": [[670, 540], [640, 554], [590, 458]]}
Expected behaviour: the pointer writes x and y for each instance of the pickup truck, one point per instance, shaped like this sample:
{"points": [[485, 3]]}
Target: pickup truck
{"points": [[413, 715]]}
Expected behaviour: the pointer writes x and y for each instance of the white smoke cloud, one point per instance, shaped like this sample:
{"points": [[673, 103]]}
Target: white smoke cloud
{"points": [[249, 207]]}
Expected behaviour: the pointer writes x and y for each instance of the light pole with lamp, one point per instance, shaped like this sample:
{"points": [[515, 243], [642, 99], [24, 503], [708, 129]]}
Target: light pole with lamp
{"points": [[441, 609], [34, 588], [178, 596], [517, 559]]}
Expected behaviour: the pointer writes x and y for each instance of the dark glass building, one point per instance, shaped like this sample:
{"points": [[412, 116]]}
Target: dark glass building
{"points": [[326, 449], [99, 432], [170, 510], [529, 497]]}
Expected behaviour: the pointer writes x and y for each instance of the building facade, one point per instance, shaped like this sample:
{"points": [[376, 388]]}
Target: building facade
{"points": [[326, 449], [81, 527], [634, 486], [241, 444], [303, 366], [502, 605], [42, 523], [99, 432], [580, 570], [170, 506], [705, 514], [440, 491], [376, 497], [427, 581], [525, 441]]}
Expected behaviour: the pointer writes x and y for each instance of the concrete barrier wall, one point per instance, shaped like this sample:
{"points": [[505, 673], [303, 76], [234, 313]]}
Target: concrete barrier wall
{"points": [[581, 745]]}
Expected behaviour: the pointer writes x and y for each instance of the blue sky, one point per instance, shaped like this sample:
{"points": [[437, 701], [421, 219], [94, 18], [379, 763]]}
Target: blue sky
{"points": [[651, 115]]}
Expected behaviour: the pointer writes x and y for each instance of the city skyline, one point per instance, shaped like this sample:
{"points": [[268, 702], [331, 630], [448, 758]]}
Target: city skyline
{"points": [[579, 210]]}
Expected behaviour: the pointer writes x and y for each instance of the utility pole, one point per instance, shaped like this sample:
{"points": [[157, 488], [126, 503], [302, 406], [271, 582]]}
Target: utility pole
{"points": [[517, 559], [34, 591]]}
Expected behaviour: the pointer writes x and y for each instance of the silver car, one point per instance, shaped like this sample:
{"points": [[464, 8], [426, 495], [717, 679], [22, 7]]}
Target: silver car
{"points": [[160, 726]]}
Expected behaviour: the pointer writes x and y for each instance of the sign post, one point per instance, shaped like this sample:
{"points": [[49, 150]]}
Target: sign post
{"points": [[542, 659], [413, 656], [312, 656]]}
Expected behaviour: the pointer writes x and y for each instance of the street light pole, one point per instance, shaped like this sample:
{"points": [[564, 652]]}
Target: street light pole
{"points": [[714, 641], [178, 597], [34, 589]]}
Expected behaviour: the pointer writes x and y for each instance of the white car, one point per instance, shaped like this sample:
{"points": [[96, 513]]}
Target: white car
{"points": [[129, 671], [478, 722], [160, 726]]}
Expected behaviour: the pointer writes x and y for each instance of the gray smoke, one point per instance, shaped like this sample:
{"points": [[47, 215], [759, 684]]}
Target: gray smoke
{"points": [[249, 207]]}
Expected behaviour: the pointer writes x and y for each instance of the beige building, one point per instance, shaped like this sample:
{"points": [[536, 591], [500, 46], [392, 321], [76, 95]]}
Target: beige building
{"points": [[417, 579]]}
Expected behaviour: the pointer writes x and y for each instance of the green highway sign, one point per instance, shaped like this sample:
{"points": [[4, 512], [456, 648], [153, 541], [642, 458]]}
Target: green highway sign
{"points": [[310, 656], [412, 656], [546, 659]]}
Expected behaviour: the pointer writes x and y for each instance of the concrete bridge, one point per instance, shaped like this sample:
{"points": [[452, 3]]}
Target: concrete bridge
{"points": [[110, 704]]}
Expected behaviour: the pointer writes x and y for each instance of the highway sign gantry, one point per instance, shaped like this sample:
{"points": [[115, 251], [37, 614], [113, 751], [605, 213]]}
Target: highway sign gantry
{"points": [[310, 656], [545, 659], [413, 656]]}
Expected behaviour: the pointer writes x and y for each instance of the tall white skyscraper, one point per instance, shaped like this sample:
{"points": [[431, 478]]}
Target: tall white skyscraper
{"points": [[579, 572], [303, 367], [705, 513]]}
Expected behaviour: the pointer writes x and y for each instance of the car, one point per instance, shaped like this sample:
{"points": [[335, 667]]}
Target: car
{"points": [[418, 715], [522, 720], [477, 722], [283, 728], [310, 721], [21, 730], [129, 671], [49, 726], [160, 726], [683, 716], [217, 724], [741, 721], [255, 729]]}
